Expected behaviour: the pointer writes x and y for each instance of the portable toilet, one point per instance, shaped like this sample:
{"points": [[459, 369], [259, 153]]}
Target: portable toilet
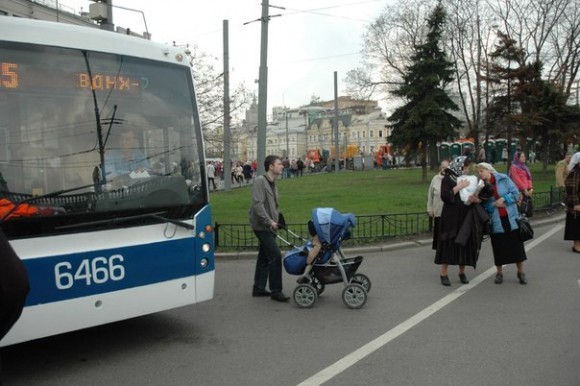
{"points": [[455, 149], [490, 151], [444, 151], [468, 147]]}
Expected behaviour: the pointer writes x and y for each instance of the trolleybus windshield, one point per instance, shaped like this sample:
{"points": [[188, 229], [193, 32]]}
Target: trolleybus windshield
{"points": [[87, 136]]}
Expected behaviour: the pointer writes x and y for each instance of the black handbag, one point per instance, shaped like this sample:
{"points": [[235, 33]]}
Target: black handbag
{"points": [[527, 206], [525, 229]]}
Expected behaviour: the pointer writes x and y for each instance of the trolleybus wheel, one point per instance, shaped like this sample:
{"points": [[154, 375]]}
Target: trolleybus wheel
{"points": [[362, 279], [354, 296], [305, 295]]}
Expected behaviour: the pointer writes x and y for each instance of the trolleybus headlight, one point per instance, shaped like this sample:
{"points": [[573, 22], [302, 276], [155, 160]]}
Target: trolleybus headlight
{"points": [[204, 262], [206, 247], [201, 235]]}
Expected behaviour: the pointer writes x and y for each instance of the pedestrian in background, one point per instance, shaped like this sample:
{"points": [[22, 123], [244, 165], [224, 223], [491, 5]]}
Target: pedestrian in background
{"points": [[501, 205], [453, 214], [504, 155], [264, 218], [522, 178], [211, 175], [481, 156], [562, 170], [572, 184], [434, 202]]}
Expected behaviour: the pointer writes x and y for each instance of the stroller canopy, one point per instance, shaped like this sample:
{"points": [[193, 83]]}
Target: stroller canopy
{"points": [[332, 226]]}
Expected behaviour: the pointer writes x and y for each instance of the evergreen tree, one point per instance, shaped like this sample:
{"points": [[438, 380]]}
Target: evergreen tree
{"points": [[525, 105], [425, 118]]}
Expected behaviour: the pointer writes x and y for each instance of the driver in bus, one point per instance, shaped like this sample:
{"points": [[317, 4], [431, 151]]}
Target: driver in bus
{"points": [[127, 158]]}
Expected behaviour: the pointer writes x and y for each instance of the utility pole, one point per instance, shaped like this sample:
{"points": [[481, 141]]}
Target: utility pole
{"points": [[227, 137], [336, 148], [263, 85], [263, 89]]}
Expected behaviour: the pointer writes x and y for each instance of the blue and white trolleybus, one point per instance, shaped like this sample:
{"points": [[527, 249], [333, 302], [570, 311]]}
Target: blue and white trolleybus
{"points": [[103, 192]]}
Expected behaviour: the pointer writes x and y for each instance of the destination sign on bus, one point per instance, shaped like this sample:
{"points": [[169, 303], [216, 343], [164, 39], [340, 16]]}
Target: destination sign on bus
{"points": [[15, 76]]}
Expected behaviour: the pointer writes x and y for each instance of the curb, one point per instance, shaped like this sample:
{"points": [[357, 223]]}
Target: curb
{"points": [[245, 255]]}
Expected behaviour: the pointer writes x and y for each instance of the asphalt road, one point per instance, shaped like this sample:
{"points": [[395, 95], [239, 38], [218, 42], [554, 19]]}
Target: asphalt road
{"points": [[412, 330]]}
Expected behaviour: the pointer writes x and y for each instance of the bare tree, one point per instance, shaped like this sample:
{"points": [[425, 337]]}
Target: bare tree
{"points": [[209, 91], [549, 31], [388, 45]]}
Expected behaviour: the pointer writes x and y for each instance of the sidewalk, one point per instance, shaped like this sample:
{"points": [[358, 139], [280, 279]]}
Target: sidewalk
{"points": [[555, 218]]}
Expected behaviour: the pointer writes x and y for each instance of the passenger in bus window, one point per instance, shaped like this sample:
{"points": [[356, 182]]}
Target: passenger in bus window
{"points": [[125, 158]]}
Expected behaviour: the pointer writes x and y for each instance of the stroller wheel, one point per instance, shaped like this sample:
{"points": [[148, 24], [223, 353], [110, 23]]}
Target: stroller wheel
{"points": [[318, 285], [363, 280], [305, 295], [354, 296]]}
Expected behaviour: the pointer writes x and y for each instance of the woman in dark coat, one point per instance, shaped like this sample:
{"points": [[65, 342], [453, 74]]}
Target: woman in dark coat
{"points": [[572, 186], [454, 213]]}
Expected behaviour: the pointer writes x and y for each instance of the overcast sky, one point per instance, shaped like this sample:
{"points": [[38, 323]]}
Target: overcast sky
{"points": [[311, 40]]}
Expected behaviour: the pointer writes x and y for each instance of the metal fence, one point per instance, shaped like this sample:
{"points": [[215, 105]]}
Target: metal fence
{"points": [[368, 227]]}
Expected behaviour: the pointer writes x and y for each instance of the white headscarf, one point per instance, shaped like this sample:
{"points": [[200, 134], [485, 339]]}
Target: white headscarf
{"points": [[574, 161], [486, 166]]}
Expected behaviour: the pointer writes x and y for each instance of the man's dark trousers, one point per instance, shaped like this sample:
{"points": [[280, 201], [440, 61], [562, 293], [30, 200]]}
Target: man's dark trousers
{"points": [[269, 263]]}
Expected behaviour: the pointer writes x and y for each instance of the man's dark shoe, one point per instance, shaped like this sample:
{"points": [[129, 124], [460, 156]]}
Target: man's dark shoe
{"points": [[279, 297], [257, 293]]}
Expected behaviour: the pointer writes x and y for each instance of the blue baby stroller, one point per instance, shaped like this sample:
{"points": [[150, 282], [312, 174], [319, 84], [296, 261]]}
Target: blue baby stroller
{"points": [[330, 265]]}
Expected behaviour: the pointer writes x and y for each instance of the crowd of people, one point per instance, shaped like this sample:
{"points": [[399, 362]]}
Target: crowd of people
{"points": [[494, 207], [244, 173], [488, 207]]}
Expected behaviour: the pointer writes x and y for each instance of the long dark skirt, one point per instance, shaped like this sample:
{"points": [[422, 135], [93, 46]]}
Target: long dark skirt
{"points": [[507, 247], [435, 232], [448, 252], [572, 230]]}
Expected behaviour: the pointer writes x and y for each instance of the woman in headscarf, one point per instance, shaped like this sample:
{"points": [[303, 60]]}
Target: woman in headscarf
{"points": [[501, 205], [522, 177], [452, 217], [572, 186]]}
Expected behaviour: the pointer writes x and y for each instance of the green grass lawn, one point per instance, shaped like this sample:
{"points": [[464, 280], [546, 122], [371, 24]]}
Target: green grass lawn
{"points": [[360, 193]]}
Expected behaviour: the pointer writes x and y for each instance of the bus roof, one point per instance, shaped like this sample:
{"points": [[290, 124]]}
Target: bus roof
{"points": [[94, 39]]}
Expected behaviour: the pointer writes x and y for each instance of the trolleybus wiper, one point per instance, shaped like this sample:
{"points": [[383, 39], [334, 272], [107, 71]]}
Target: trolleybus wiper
{"points": [[116, 220]]}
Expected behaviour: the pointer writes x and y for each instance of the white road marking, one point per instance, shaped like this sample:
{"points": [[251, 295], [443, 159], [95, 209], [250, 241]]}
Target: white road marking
{"points": [[352, 358]]}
